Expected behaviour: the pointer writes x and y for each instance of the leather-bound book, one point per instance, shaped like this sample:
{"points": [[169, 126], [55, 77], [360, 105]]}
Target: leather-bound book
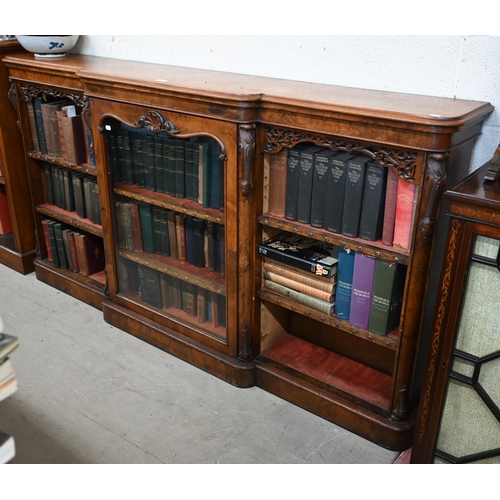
{"points": [[404, 214], [277, 183], [199, 226], [372, 211], [304, 192], [391, 198], [322, 160]]}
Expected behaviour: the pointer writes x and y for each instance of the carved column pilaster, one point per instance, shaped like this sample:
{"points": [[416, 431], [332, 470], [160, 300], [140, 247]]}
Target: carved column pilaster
{"points": [[247, 155]]}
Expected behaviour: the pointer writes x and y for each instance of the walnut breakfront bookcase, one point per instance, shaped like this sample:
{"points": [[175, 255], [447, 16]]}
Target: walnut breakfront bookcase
{"points": [[225, 321]]}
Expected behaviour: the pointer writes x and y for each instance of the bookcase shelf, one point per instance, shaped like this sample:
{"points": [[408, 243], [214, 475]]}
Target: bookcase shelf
{"points": [[70, 218], [180, 205], [360, 380]]}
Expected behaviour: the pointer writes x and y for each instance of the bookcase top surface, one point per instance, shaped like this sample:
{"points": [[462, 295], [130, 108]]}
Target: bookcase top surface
{"points": [[272, 92]]}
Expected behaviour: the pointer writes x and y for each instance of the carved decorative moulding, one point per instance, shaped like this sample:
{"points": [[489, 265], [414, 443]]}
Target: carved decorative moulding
{"points": [[156, 123], [32, 91], [403, 162]]}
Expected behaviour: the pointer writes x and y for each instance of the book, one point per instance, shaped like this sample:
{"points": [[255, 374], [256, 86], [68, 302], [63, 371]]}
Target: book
{"points": [[216, 179], [404, 214], [344, 283], [326, 285], [372, 210], [52, 242], [180, 176], [199, 226], [387, 297], [137, 157], [42, 141], [170, 183], [146, 217], [335, 181], [172, 234], [210, 246], [7, 448], [5, 218], [202, 305], [292, 182], [135, 219], [78, 193], [63, 261], [277, 183], [305, 180], [220, 248], [319, 194], [150, 289], [149, 163], [33, 128], [67, 248], [299, 286], [74, 138], [93, 253], [310, 255], [189, 238], [157, 229], [45, 229], [362, 288], [8, 343], [51, 126], [48, 183], [189, 299], [189, 170], [320, 305], [391, 198], [158, 172], [353, 197], [164, 239]]}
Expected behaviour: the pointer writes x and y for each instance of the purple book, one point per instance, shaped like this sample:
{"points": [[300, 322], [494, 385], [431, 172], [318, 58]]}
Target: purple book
{"points": [[362, 285]]}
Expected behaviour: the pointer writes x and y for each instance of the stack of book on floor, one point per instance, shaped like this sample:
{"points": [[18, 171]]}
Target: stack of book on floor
{"points": [[302, 269], [8, 385]]}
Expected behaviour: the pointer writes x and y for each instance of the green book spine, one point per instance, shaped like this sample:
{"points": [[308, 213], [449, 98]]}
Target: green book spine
{"points": [[387, 297], [158, 144], [60, 245], [180, 179], [149, 164], [146, 217]]}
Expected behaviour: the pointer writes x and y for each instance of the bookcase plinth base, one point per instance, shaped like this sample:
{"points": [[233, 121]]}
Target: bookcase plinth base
{"points": [[396, 436], [85, 289], [19, 262], [233, 371]]}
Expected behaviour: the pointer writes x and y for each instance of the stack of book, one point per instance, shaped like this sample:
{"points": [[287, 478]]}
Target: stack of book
{"points": [[8, 385], [369, 292], [155, 230], [57, 130], [302, 269], [182, 168], [72, 191], [69, 249], [166, 292], [343, 192]]}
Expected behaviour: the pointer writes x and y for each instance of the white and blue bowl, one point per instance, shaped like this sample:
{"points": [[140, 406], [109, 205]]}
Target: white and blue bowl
{"points": [[48, 46]]}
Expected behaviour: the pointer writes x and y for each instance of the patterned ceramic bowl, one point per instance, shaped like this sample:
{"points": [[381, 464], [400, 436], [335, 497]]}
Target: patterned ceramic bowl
{"points": [[48, 45]]}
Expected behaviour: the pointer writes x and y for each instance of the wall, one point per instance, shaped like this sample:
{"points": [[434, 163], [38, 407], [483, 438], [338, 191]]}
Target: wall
{"points": [[455, 66]]}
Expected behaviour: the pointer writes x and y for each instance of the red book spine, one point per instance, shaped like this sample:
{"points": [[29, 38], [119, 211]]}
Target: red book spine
{"points": [[391, 196], [277, 183], [404, 214]]}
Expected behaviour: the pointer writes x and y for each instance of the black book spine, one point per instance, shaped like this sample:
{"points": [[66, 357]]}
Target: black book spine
{"points": [[127, 153], [150, 286], [49, 188], [157, 229], [336, 179], [180, 173], [165, 242], [372, 211], [306, 168], [53, 245], [199, 226], [42, 141], [58, 228], [353, 199], [149, 164], [158, 142], [319, 188], [292, 183]]}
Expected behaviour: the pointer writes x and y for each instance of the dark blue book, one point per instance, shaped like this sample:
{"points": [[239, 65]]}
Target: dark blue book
{"points": [[146, 216], [344, 284], [319, 195], [353, 200], [216, 176]]}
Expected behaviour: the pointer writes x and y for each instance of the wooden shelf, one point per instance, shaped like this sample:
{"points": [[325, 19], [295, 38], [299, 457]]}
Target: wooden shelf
{"points": [[86, 168], [199, 276], [389, 342], [371, 248], [70, 218], [182, 205]]}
